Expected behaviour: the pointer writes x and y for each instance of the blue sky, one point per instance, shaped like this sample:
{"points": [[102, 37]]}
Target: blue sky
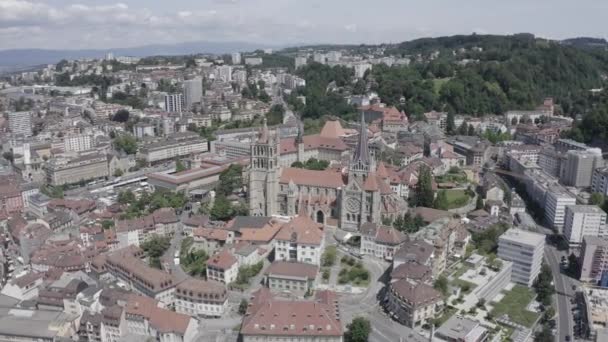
{"points": [[81, 24]]}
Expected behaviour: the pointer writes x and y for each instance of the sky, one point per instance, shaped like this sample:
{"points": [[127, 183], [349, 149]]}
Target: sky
{"points": [[104, 24]]}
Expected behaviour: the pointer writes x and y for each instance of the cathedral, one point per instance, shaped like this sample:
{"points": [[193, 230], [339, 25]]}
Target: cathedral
{"points": [[344, 198]]}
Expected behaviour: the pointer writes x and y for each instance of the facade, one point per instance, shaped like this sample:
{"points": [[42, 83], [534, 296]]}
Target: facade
{"points": [[599, 181], [555, 204], [578, 168], [583, 220], [193, 92], [61, 171], [77, 142], [525, 250], [300, 240], [162, 222], [380, 241], [593, 259], [273, 319], [457, 329], [20, 123], [174, 103], [294, 277], [413, 303], [201, 298], [171, 147], [212, 240], [236, 58], [223, 267]]}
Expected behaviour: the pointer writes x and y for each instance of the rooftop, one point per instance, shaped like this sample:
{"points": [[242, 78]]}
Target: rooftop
{"points": [[523, 236]]}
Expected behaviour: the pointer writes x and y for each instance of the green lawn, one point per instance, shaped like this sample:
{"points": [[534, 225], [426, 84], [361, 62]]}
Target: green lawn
{"points": [[456, 198], [514, 305], [462, 270]]}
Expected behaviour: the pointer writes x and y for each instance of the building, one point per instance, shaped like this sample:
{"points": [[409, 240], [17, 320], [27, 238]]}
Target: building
{"points": [[211, 240], [272, 319], [187, 181], [236, 58], [300, 240], [193, 92], [413, 303], [599, 181], [253, 61], [555, 204], [380, 241], [225, 73], [201, 298], [72, 171], [162, 222], [77, 142], [143, 129], [583, 220], [294, 277], [223, 267], [476, 151], [458, 328], [20, 123], [361, 68], [525, 250], [593, 258], [300, 61], [174, 103], [25, 287], [578, 168], [172, 146]]}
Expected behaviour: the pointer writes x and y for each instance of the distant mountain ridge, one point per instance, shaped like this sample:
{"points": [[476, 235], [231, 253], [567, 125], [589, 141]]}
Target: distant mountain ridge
{"points": [[28, 57]]}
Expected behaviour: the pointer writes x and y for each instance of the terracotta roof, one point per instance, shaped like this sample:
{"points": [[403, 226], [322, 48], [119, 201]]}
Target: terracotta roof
{"points": [[389, 236], [292, 269], [416, 293], [332, 129], [414, 250], [412, 270], [222, 260], [268, 316], [137, 270], [196, 221], [192, 287], [301, 229], [27, 279], [163, 320], [381, 170], [312, 142], [430, 214], [324, 178], [371, 183], [211, 233], [260, 235]]}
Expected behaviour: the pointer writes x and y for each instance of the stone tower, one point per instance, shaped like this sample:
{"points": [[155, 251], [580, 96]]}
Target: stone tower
{"points": [[264, 174], [299, 142]]}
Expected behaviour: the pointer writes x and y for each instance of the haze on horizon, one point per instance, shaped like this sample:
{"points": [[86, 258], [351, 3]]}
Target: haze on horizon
{"points": [[84, 24]]}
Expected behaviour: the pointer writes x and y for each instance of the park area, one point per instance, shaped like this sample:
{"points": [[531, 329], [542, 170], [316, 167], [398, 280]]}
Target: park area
{"points": [[457, 198], [514, 304]]}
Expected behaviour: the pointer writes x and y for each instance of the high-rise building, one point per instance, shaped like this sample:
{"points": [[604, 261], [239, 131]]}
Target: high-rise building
{"points": [[578, 168], [599, 181], [174, 103], [361, 68], [556, 201], [77, 142], [594, 258], [225, 73], [583, 220], [193, 91], [236, 58], [300, 61], [20, 123], [319, 58], [334, 56], [525, 250]]}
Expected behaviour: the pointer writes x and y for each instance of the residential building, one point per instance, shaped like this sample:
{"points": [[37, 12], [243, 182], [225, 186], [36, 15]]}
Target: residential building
{"points": [[72, 171], [201, 298], [297, 278], [555, 204], [599, 181], [223, 267], [162, 222], [193, 92], [272, 319], [361, 68], [211, 240], [24, 324], [476, 151], [143, 129], [380, 241], [253, 61], [300, 61], [172, 146], [578, 168], [593, 258], [174, 103], [300, 240], [24, 287], [413, 303], [583, 220], [525, 250], [20, 123], [225, 73], [236, 58]]}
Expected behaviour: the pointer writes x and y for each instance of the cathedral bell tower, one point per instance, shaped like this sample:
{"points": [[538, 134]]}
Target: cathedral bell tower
{"points": [[264, 174]]}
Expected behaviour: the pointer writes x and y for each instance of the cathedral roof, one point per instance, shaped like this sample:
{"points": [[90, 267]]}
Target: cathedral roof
{"points": [[324, 178], [371, 183], [315, 141], [381, 170], [362, 151], [301, 229]]}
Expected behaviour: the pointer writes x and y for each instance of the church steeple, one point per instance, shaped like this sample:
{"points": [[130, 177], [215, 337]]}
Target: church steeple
{"points": [[362, 154]]}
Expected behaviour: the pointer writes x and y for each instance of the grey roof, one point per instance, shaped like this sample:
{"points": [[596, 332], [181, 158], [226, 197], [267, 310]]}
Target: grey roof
{"points": [[457, 328], [249, 222], [7, 301], [31, 323], [361, 153]]}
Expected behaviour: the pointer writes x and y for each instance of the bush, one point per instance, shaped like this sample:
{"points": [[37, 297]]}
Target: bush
{"points": [[326, 274], [328, 258]]}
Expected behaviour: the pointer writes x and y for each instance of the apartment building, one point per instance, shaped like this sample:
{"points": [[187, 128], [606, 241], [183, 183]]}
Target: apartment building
{"points": [[201, 298], [556, 201], [193, 92], [300, 240], [599, 181], [525, 250], [20, 123], [223, 267], [582, 220], [71, 171], [172, 146], [577, 170], [162, 222], [413, 303], [380, 241], [297, 278], [174, 103], [77, 142], [593, 258]]}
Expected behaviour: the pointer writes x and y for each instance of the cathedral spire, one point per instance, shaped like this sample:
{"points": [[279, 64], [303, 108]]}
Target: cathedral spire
{"points": [[264, 132], [362, 151]]}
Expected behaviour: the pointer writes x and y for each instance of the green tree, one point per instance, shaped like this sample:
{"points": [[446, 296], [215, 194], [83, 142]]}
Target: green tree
{"points": [[543, 285], [441, 285], [107, 224], [462, 130], [573, 265], [450, 125], [154, 248], [118, 173], [479, 202], [126, 143], [179, 165], [121, 115], [275, 115], [441, 201], [358, 330], [8, 156], [125, 197], [423, 194], [243, 306], [471, 130], [596, 199], [328, 258], [222, 209], [230, 180]]}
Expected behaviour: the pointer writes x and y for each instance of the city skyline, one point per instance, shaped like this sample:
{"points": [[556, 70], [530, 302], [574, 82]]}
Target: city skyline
{"points": [[68, 24]]}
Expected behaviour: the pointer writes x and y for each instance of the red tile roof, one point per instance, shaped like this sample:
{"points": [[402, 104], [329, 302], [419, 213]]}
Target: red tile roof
{"points": [[324, 179], [292, 269], [222, 260], [301, 229]]}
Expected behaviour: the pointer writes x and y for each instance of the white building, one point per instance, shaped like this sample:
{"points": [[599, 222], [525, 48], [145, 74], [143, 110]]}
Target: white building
{"points": [[525, 250], [555, 207], [201, 298], [300, 240], [193, 91], [20, 123], [584, 220], [225, 73], [361, 68], [254, 61], [174, 103], [319, 58], [599, 181], [77, 142], [236, 58], [300, 61]]}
